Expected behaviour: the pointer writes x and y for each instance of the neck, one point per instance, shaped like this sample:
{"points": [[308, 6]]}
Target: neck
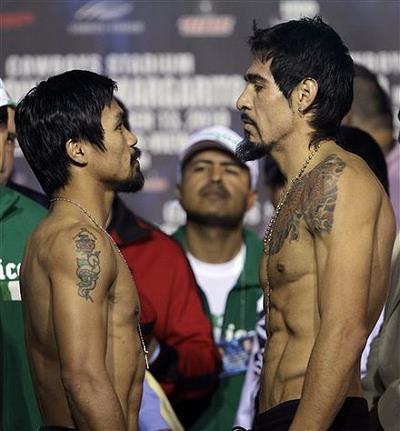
{"points": [[97, 205], [292, 158], [213, 244]]}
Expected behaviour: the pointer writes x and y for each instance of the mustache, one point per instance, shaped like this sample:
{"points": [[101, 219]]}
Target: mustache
{"points": [[216, 188], [246, 119], [136, 154]]}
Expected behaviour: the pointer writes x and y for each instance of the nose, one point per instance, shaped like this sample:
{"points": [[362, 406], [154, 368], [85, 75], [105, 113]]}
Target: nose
{"points": [[216, 173], [131, 138], [242, 103]]}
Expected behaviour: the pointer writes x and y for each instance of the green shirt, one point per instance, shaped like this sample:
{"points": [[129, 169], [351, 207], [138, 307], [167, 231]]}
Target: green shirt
{"points": [[241, 315], [18, 408]]}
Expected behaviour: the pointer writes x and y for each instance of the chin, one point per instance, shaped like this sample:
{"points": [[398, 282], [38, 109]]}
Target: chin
{"points": [[215, 219], [248, 150]]}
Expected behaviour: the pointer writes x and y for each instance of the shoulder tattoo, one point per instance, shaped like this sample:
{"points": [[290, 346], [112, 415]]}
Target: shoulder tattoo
{"points": [[322, 194], [313, 199], [87, 263]]}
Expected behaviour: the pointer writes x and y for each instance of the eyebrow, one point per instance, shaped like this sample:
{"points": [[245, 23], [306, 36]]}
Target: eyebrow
{"points": [[254, 77], [210, 162]]}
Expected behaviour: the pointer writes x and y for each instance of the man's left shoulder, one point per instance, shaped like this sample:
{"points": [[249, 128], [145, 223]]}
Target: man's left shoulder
{"points": [[344, 174]]}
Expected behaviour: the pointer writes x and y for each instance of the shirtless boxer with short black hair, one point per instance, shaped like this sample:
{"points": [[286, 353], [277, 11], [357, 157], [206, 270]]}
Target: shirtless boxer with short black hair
{"points": [[81, 310], [327, 249]]}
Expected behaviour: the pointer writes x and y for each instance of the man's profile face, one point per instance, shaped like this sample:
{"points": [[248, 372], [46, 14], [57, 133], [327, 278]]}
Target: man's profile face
{"points": [[265, 111], [118, 165], [215, 189]]}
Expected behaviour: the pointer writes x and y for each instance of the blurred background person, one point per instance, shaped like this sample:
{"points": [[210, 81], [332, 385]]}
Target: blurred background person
{"points": [[216, 190], [19, 215], [371, 111], [381, 385]]}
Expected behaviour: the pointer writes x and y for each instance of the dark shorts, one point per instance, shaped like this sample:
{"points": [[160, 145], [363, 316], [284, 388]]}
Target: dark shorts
{"points": [[353, 415], [51, 428]]}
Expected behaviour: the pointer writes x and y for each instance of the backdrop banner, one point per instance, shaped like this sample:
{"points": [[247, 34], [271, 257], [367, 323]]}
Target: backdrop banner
{"points": [[179, 66]]}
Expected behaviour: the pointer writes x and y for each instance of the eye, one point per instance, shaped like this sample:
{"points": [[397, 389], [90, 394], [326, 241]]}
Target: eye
{"points": [[258, 88], [199, 168], [232, 171]]}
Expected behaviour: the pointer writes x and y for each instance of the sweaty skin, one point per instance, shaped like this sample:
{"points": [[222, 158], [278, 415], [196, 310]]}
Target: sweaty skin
{"points": [[81, 314], [328, 267]]}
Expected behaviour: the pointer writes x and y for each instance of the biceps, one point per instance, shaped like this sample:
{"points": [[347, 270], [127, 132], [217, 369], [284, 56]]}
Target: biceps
{"points": [[80, 324], [344, 275]]}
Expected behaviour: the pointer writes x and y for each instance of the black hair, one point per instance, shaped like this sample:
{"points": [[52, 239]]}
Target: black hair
{"points": [[309, 48], [359, 142], [66, 106], [371, 102]]}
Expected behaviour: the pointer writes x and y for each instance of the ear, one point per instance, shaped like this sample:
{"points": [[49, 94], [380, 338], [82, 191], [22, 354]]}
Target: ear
{"points": [[251, 199], [304, 95], [76, 151]]}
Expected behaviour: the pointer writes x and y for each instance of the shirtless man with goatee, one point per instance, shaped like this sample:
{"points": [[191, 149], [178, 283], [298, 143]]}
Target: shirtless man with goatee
{"points": [[328, 247], [81, 310]]}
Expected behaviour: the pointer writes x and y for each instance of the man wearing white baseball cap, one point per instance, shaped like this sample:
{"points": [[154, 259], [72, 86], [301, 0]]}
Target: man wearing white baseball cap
{"points": [[215, 189], [18, 217]]}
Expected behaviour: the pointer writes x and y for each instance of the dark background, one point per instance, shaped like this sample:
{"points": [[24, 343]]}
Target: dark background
{"points": [[179, 65]]}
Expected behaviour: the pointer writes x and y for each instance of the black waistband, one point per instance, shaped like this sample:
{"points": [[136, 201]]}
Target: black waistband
{"points": [[353, 415]]}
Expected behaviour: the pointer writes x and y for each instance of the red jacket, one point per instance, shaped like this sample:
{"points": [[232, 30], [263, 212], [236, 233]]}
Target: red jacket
{"points": [[188, 364]]}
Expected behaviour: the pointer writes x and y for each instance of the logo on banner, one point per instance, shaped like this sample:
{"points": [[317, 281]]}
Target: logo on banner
{"points": [[206, 23], [105, 17], [13, 20], [104, 10]]}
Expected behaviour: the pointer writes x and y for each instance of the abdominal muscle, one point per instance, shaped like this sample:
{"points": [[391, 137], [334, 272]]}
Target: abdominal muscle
{"points": [[293, 326], [285, 364]]}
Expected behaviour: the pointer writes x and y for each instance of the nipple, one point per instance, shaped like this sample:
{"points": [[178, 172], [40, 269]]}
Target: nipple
{"points": [[280, 267]]}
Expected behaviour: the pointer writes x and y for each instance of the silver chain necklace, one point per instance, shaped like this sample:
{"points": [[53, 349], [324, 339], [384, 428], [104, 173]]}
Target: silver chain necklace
{"points": [[271, 225], [89, 216]]}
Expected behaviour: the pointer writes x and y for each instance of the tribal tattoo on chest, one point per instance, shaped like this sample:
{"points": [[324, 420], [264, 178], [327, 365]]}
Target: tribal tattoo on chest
{"points": [[88, 263], [312, 198]]}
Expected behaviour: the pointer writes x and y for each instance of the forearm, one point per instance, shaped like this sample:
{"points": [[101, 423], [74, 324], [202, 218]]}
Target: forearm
{"points": [[94, 404], [330, 370]]}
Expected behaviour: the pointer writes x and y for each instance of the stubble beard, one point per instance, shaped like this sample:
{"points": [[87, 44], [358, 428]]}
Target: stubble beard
{"points": [[214, 220], [132, 185], [136, 183]]}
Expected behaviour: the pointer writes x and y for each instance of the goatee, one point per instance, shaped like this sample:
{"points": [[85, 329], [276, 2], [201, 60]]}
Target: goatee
{"points": [[246, 151]]}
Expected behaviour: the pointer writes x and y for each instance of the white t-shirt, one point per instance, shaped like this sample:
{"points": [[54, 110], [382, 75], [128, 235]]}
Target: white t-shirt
{"points": [[216, 281]]}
